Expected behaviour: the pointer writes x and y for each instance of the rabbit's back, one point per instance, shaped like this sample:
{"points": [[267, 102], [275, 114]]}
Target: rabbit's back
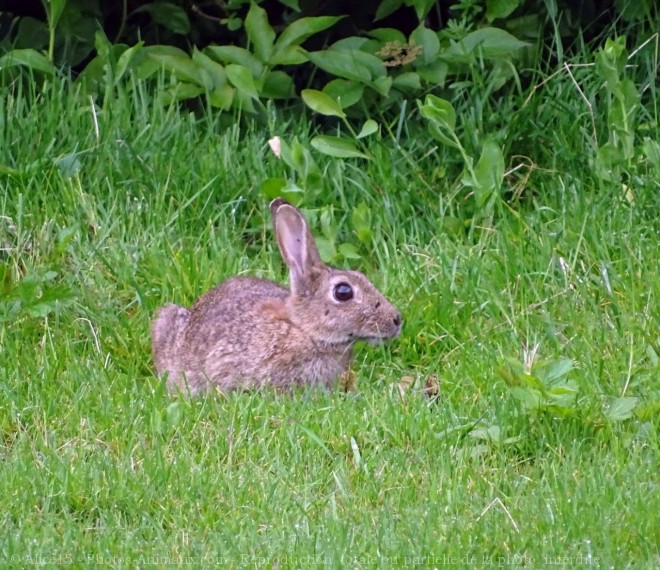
{"points": [[227, 303]]}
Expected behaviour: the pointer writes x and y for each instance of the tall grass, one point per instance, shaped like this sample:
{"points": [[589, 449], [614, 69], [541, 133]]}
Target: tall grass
{"points": [[109, 211]]}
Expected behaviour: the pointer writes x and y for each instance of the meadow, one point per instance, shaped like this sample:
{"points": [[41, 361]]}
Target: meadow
{"points": [[513, 424]]}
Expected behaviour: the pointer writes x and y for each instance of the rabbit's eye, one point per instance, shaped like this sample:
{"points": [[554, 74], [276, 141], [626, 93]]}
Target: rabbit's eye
{"points": [[343, 292]]}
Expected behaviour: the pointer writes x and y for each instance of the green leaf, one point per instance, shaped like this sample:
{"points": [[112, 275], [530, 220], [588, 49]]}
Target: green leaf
{"points": [[439, 111], [459, 430], [530, 381], [243, 102], [272, 187], [293, 4], [299, 158], [182, 92], [168, 15], [69, 165], [95, 71], [157, 421], [341, 63], [292, 193], [183, 68], [36, 295], [489, 172], [554, 370], [369, 61], [315, 182], [75, 32], [222, 97], [31, 33], [491, 433], [102, 45], [648, 410], [563, 389], [351, 43], [500, 8], [530, 399], [173, 414], [148, 65], [126, 59], [407, 81], [51, 299], [260, 32], [625, 91], [511, 371], [434, 73], [55, 12], [165, 50], [349, 251], [387, 35], [563, 395], [287, 155], [277, 85], [429, 42], [29, 58], [422, 7], [451, 225], [492, 43], [387, 7], [322, 103], [357, 456], [344, 91], [300, 30], [337, 147], [382, 85], [528, 26], [361, 220], [608, 158], [561, 411], [442, 137], [8, 171], [237, 55], [241, 78], [215, 70], [369, 128], [652, 151], [634, 12], [621, 409], [290, 55], [615, 50]]}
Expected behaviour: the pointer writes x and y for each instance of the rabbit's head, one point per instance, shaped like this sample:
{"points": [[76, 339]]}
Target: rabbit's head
{"points": [[333, 306]]}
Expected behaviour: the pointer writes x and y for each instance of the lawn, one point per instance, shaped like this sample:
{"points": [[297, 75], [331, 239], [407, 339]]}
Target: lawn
{"points": [[540, 321]]}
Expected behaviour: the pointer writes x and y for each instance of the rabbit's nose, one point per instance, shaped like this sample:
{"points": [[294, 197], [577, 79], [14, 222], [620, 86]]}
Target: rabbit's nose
{"points": [[397, 320]]}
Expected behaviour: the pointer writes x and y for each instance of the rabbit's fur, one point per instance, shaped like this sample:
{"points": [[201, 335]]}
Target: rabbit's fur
{"points": [[250, 332]]}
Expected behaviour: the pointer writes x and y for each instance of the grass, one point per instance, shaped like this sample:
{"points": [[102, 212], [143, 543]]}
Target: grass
{"points": [[101, 467]]}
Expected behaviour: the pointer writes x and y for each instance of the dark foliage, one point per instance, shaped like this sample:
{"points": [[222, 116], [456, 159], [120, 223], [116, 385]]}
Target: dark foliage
{"points": [[185, 23]]}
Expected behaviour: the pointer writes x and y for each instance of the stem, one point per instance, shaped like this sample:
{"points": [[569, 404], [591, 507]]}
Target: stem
{"points": [[51, 40], [124, 17]]}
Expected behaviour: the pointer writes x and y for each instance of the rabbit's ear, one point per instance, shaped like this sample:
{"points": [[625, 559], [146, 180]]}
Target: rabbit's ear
{"points": [[296, 244]]}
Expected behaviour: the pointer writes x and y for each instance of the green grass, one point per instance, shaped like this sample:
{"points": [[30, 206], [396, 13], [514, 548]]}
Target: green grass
{"points": [[100, 466]]}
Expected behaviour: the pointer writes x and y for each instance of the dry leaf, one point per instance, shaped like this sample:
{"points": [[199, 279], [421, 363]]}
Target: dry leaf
{"points": [[347, 381], [432, 386], [405, 384]]}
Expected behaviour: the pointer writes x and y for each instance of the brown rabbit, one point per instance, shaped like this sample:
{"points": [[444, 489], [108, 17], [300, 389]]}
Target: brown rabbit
{"points": [[250, 332]]}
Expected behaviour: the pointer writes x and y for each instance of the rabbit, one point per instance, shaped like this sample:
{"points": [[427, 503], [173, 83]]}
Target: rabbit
{"points": [[249, 333]]}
